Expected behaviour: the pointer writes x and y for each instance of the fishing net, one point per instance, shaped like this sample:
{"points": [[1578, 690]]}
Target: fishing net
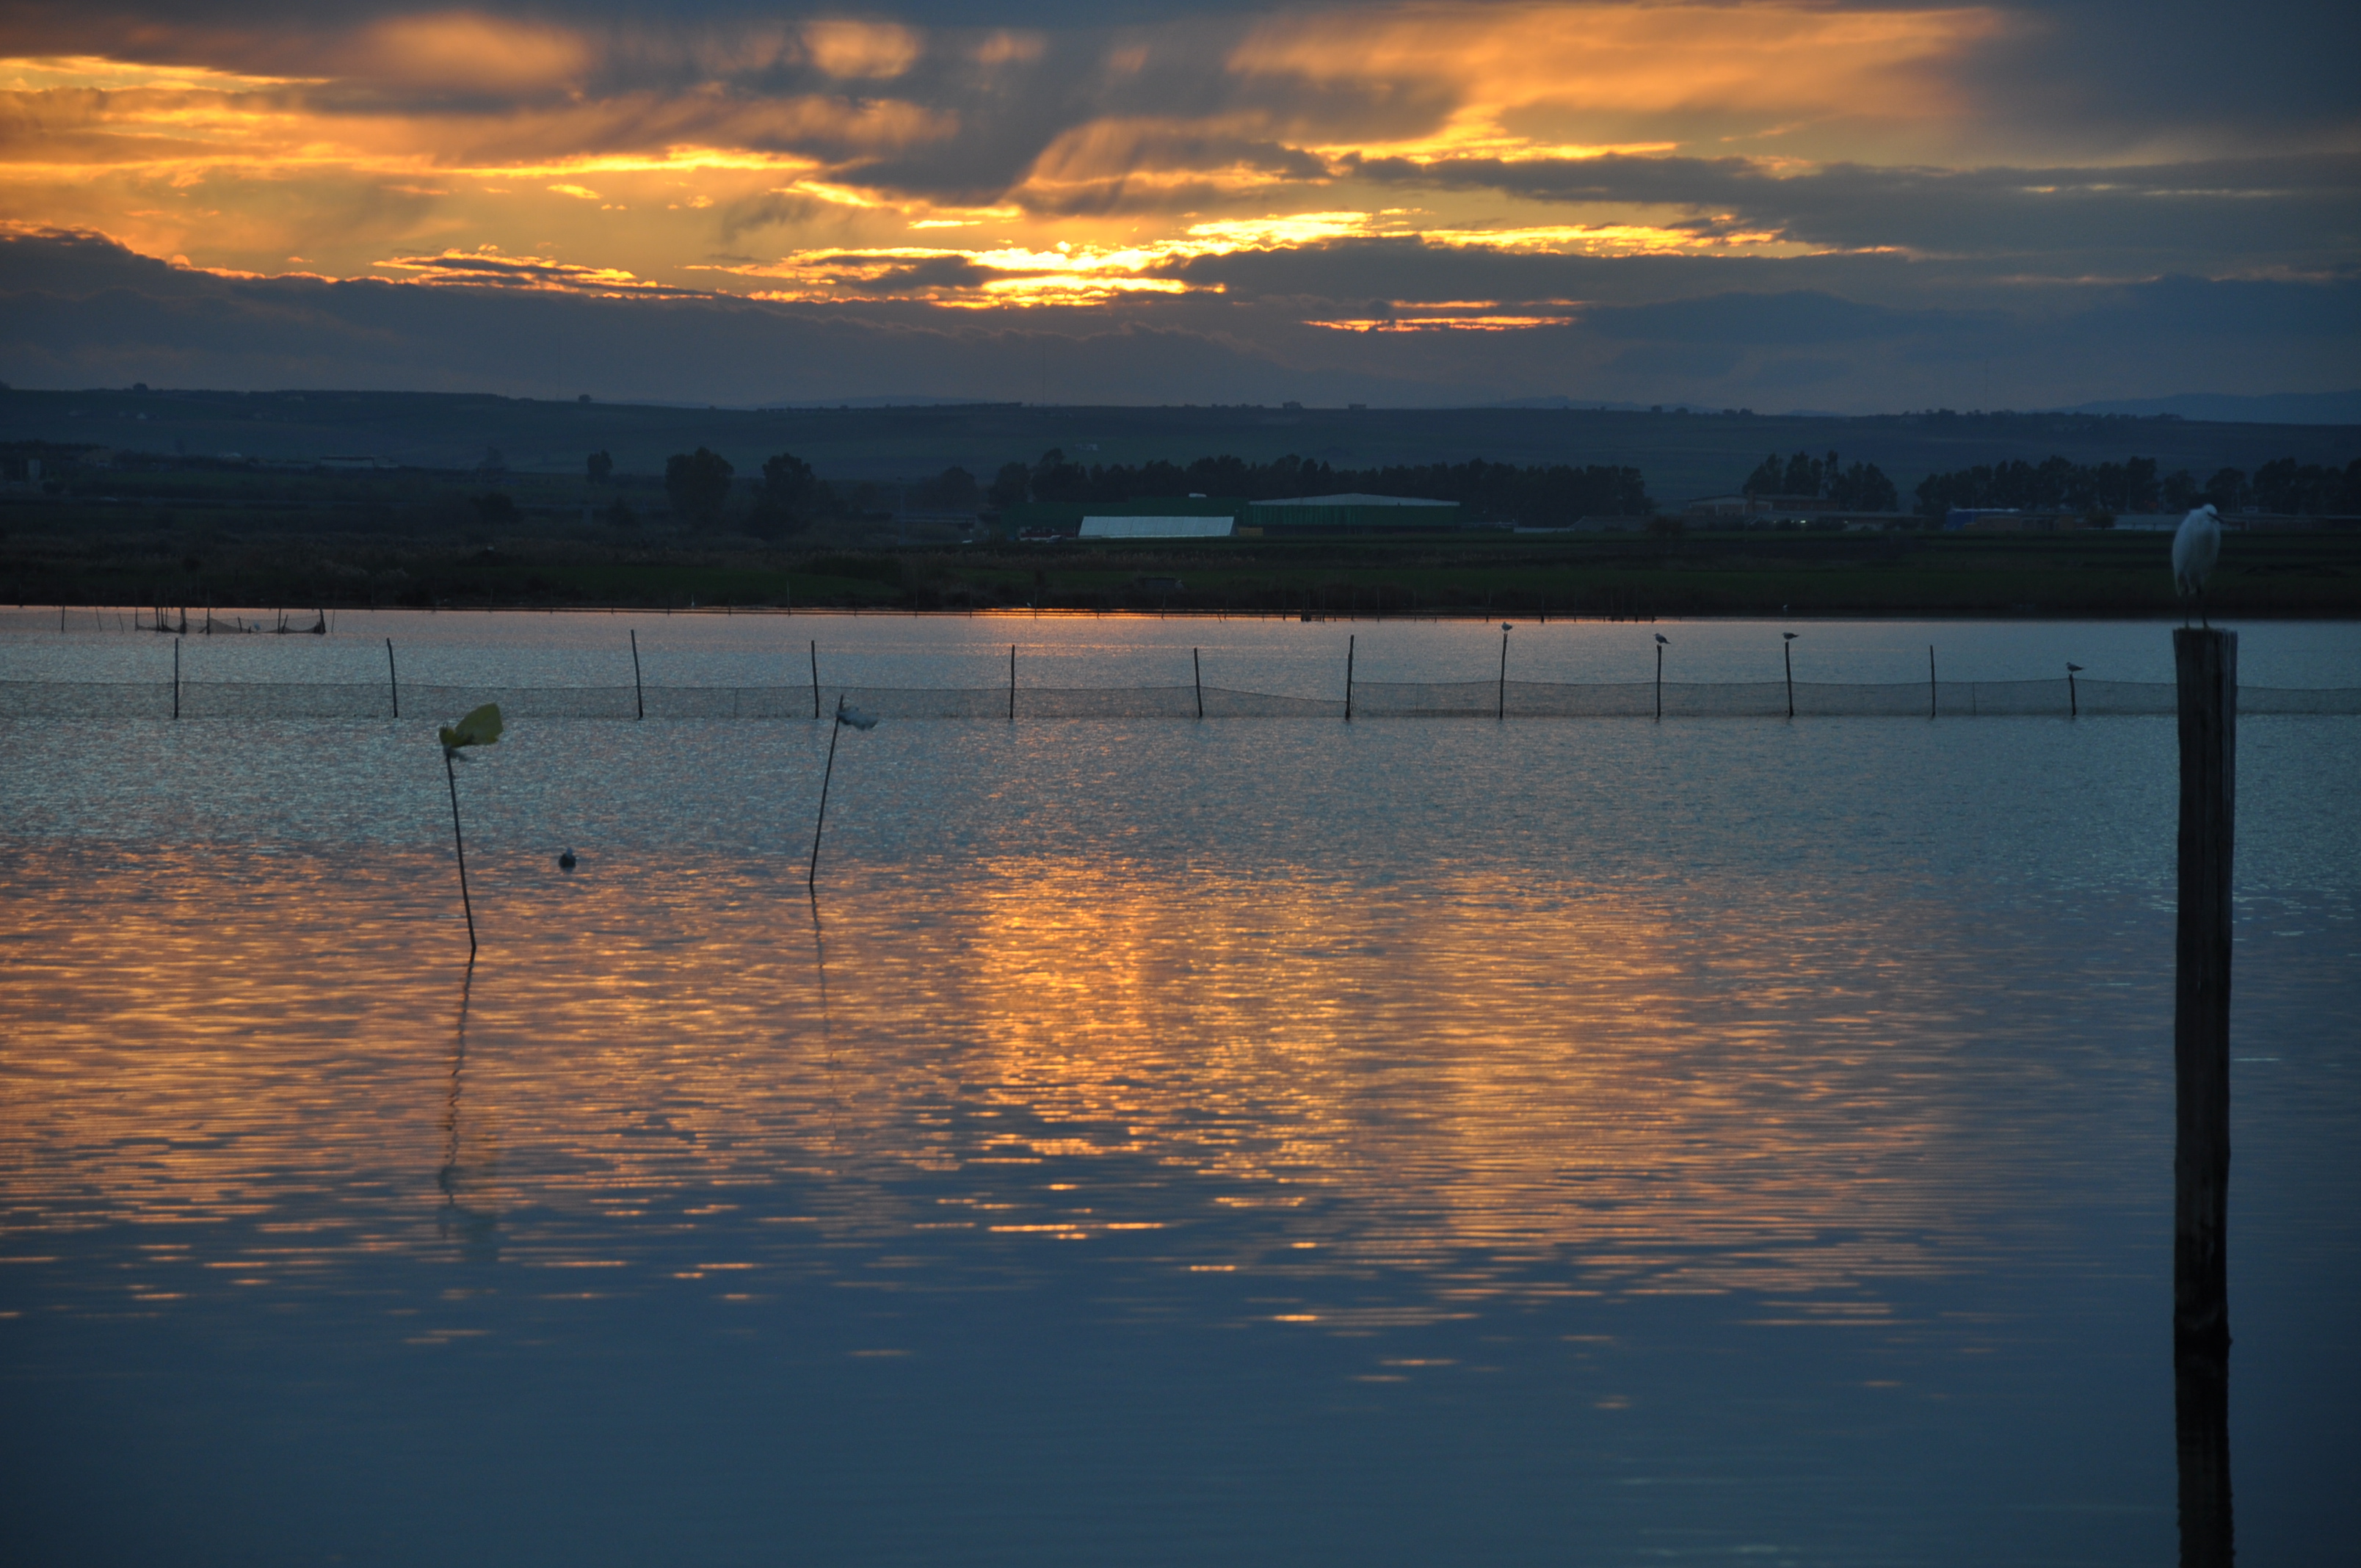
{"points": [[1368, 699]]}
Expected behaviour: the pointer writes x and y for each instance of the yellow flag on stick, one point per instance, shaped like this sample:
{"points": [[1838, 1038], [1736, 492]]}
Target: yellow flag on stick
{"points": [[480, 728]]}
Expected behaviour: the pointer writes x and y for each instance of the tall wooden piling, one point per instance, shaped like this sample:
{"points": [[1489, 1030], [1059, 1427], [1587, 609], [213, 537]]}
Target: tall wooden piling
{"points": [[176, 677], [1349, 680], [1012, 683], [815, 667], [1930, 680], [1197, 674], [392, 678], [639, 693], [2201, 1410], [2206, 663]]}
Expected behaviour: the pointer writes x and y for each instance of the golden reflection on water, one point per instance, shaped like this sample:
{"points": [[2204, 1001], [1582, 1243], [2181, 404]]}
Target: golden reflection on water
{"points": [[688, 1068]]}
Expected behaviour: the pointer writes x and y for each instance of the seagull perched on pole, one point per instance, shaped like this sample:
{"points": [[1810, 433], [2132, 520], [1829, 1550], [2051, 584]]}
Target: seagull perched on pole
{"points": [[2196, 545]]}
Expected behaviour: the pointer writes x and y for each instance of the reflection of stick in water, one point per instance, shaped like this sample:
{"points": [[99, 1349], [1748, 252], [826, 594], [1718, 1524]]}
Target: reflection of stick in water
{"points": [[827, 1035], [478, 1230]]}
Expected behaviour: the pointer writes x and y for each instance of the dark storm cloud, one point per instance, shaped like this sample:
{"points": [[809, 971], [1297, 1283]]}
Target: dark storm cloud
{"points": [[2292, 211], [79, 311]]}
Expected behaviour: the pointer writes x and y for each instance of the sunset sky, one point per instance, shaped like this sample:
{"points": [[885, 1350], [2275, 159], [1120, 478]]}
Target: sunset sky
{"points": [[1771, 204]]}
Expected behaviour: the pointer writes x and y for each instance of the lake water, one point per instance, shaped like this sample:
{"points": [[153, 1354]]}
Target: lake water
{"points": [[1264, 1140]]}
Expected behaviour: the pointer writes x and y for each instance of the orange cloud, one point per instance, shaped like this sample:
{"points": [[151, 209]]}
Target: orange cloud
{"points": [[454, 128], [466, 51], [870, 49], [1643, 59], [489, 268]]}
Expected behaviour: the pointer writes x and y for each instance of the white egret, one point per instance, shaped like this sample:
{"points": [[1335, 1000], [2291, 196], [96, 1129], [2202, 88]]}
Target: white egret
{"points": [[2196, 545]]}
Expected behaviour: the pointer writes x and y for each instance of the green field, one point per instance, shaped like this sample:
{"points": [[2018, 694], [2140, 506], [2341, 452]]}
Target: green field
{"points": [[2311, 574]]}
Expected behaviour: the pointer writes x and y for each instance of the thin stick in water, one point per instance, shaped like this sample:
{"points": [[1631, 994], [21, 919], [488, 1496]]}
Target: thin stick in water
{"points": [[1501, 711], [811, 876], [460, 844], [639, 693]]}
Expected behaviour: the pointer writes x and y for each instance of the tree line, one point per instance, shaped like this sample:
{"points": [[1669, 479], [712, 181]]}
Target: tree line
{"points": [[1497, 492], [2282, 486], [1861, 487], [789, 498]]}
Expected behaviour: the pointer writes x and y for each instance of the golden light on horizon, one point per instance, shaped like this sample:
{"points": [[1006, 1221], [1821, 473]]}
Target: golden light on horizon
{"points": [[448, 131]]}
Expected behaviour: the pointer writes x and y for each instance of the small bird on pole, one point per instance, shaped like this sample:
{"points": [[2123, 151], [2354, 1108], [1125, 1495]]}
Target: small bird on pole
{"points": [[2196, 545]]}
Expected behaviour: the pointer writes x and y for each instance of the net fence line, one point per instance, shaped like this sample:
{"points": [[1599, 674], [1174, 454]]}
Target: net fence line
{"points": [[1368, 699]]}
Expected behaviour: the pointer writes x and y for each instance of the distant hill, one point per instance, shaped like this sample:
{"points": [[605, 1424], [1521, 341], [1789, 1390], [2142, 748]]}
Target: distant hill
{"points": [[2271, 408], [911, 400]]}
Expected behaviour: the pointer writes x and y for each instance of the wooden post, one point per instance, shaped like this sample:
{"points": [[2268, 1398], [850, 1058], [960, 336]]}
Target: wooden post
{"points": [[2073, 702], [639, 693], [176, 677], [392, 678], [2200, 1411], [815, 663], [1197, 673], [1788, 654], [2206, 663], [1012, 683], [1930, 680], [1501, 704], [1348, 679], [1660, 680]]}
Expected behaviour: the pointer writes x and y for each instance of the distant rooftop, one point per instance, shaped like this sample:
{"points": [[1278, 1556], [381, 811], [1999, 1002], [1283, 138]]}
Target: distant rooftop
{"points": [[1156, 527]]}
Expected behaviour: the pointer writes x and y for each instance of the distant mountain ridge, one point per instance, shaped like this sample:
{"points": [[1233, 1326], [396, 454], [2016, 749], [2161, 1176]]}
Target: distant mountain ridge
{"points": [[2268, 408]]}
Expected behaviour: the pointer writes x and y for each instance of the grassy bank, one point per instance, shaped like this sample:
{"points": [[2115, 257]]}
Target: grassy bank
{"points": [[132, 561]]}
